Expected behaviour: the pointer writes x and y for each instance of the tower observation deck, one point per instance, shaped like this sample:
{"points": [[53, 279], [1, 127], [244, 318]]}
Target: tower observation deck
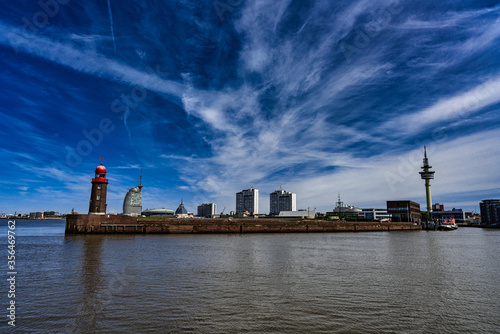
{"points": [[427, 175]]}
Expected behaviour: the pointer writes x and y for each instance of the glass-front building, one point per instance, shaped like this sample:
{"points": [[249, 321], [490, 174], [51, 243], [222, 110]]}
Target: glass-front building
{"points": [[490, 212], [404, 211]]}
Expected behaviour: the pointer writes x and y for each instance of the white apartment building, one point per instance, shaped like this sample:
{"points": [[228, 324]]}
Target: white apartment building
{"points": [[281, 200], [206, 210], [248, 200]]}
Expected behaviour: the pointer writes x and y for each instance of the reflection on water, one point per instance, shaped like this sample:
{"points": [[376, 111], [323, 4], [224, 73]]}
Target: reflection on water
{"points": [[412, 282], [90, 306]]}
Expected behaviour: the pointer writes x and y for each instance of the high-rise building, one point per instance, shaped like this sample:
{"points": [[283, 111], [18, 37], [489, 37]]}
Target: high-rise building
{"points": [[97, 204], [206, 210], [248, 200], [281, 200], [490, 211], [132, 203]]}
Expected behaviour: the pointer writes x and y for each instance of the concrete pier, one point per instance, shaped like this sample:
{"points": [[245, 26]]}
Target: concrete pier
{"points": [[102, 224]]}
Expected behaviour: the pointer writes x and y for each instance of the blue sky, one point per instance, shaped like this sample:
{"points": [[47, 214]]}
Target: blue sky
{"points": [[209, 98]]}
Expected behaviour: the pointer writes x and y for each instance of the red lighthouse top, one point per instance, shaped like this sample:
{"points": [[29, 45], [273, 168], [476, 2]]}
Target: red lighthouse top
{"points": [[100, 169], [100, 174]]}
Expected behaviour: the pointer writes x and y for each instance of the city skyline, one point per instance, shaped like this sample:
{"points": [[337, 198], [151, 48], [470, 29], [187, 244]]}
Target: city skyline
{"points": [[317, 97]]}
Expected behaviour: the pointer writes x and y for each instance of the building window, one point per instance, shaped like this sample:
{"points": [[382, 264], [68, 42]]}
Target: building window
{"points": [[99, 186], [98, 197], [97, 208]]}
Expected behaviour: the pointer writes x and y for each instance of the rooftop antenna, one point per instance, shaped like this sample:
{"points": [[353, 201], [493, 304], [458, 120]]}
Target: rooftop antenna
{"points": [[340, 203], [140, 179]]}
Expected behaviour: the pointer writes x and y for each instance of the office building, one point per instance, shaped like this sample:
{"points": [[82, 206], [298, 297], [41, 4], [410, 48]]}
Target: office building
{"points": [[281, 200], [457, 214], [404, 211], [248, 200], [310, 214], [490, 211], [206, 210], [374, 214]]}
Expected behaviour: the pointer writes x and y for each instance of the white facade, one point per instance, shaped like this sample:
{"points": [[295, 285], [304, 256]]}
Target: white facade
{"points": [[298, 214], [248, 200], [375, 214], [132, 203], [281, 200], [206, 210]]}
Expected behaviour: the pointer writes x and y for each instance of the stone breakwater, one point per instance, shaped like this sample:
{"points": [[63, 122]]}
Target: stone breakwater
{"points": [[116, 224]]}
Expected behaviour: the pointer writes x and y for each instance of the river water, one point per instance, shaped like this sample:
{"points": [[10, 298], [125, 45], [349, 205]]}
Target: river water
{"points": [[373, 282]]}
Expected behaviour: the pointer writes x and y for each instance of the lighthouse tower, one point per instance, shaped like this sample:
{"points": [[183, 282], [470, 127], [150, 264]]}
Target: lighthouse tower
{"points": [[427, 175], [98, 194]]}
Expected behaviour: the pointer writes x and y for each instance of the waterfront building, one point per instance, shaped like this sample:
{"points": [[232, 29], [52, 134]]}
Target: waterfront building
{"points": [[51, 213], [345, 211], [181, 210], [404, 211], [97, 205], [473, 218], [437, 207], [206, 210], [374, 214], [132, 203], [158, 212], [247, 200], [490, 211], [280, 200], [458, 214], [427, 175], [37, 214], [311, 214]]}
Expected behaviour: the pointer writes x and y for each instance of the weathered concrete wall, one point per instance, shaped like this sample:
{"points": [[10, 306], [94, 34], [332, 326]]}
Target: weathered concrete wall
{"points": [[100, 224], [126, 224]]}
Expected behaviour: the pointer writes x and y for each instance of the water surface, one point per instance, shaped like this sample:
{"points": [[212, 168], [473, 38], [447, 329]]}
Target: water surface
{"points": [[378, 282]]}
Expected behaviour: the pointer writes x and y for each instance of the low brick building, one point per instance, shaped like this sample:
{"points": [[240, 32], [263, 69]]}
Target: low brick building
{"points": [[404, 211]]}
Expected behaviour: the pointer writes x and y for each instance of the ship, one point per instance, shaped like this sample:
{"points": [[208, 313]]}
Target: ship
{"points": [[448, 224]]}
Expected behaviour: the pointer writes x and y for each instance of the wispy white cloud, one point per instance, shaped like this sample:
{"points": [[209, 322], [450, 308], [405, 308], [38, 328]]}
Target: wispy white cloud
{"points": [[287, 116], [85, 61], [448, 109]]}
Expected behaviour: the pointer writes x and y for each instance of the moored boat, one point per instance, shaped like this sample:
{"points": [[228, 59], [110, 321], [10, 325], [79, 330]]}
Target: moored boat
{"points": [[448, 224]]}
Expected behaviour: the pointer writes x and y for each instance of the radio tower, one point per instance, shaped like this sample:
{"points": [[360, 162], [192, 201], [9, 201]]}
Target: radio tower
{"points": [[427, 175]]}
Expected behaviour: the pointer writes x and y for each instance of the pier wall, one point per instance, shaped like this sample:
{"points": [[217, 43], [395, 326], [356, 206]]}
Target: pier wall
{"points": [[101, 224]]}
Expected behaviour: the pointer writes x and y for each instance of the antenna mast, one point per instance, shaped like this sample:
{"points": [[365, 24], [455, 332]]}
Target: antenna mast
{"points": [[140, 179]]}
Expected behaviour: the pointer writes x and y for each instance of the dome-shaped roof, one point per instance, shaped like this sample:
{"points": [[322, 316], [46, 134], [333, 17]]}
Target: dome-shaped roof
{"points": [[181, 210], [100, 169]]}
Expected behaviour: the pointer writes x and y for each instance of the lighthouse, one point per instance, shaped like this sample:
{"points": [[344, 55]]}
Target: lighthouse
{"points": [[98, 194], [427, 175]]}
